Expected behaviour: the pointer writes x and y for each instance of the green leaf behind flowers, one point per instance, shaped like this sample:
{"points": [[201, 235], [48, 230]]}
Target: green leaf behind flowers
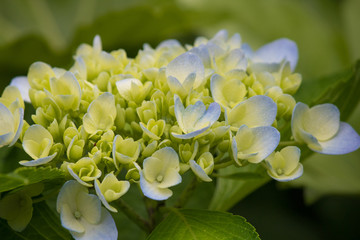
{"points": [[44, 225], [28, 175], [193, 224]]}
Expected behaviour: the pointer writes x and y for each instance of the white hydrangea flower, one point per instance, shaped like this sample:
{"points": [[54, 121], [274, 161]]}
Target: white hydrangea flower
{"points": [[254, 144], [184, 73], [195, 119], [320, 128], [256, 111], [284, 165], [272, 54], [160, 171], [81, 213]]}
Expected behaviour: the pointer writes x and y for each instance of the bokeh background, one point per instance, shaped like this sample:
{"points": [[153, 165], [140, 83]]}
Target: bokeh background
{"points": [[325, 202]]}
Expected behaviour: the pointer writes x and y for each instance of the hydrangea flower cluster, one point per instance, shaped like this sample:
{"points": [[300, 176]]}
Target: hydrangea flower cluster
{"points": [[111, 121]]}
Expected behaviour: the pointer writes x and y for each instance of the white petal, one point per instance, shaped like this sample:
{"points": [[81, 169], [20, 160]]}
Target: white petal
{"points": [[67, 194], [198, 171], [69, 221], [176, 86], [322, 121], [171, 178], [203, 53], [190, 135], [89, 206], [106, 229], [184, 65], [102, 198], [265, 141], [256, 111], [211, 115], [152, 191], [23, 85], [277, 51], [124, 87], [37, 162], [296, 120], [19, 127], [170, 43], [285, 178], [345, 141]]}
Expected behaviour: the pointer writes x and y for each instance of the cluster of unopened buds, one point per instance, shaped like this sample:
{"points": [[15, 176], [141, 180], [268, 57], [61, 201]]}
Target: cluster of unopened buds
{"points": [[111, 121]]}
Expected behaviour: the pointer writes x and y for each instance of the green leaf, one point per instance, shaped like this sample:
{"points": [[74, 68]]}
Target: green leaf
{"points": [[240, 175], [229, 191], [28, 175], [340, 89], [191, 224], [44, 225]]}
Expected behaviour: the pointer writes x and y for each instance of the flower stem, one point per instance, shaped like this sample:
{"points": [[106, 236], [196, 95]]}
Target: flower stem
{"points": [[223, 165], [18, 145], [288, 143], [133, 216], [185, 195]]}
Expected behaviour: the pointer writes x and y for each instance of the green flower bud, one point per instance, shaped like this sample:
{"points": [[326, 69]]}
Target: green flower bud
{"points": [[75, 149], [84, 170], [154, 129], [120, 117], [147, 111], [133, 175], [111, 189], [203, 166], [125, 151], [188, 152], [149, 149]]}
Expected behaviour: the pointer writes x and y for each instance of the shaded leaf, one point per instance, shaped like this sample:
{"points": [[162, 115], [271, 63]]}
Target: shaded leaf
{"points": [[229, 191], [192, 224], [240, 175], [44, 225], [28, 175]]}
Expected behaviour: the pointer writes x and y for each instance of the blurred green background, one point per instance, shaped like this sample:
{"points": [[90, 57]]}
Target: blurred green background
{"points": [[326, 201]]}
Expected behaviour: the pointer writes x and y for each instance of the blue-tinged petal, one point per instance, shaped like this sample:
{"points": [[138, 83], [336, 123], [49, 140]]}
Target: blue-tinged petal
{"points": [[106, 229], [179, 111], [152, 191], [23, 85], [211, 115], [199, 172], [184, 65], [256, 111], [322, 121], [277, 51], [247, 50], [37, 162], [266, 140], [20, 118], [296, 120], [192, 115], [190, 135], [203, 53], [345, 141]]}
